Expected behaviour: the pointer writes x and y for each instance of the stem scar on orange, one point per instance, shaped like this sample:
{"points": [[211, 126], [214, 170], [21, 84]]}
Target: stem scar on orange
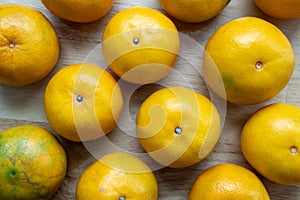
{"points": [[29, 47]]}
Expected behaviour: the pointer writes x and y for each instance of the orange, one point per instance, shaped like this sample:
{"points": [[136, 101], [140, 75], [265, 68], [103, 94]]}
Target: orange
{"points": [[178, 126], [249, 57], [193, 10], [282, 9], [29, 47], [270, 142], [33, 163], [78, 10], [117, 176], [83, 102], [228, 182], [149, 45]]}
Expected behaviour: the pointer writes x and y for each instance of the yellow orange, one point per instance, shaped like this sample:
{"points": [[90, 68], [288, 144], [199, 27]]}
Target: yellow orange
{"points": [[140, 45], [228, 182], [270, 142], [282, 9], [248, 60], [178, 126], [83, 102], [33, 163], [78, 10], [29, 47], [117, 176], [193, 11]]}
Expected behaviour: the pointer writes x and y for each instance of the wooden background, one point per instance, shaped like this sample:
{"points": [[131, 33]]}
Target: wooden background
{"points": [[81, 42]]}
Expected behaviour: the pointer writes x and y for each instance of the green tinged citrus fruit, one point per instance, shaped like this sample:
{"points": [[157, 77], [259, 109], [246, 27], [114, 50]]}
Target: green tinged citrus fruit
{"points": [[32, 163]]}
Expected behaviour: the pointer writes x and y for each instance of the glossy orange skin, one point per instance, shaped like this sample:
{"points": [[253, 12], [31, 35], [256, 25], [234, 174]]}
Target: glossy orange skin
{"points": [[178, 107], [281, 9], [78, 10], [117, 175], [193, 11], [155, 53], [248, 61], [97, 113], [270, 142], [227, 182], [29, 47]]}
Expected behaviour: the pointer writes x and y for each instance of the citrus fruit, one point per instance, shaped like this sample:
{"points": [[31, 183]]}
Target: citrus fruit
{"points": [[83, 102], [270, 142], [29, 47], [228, 182], [78, 10], [178, 126], [251, 58], [117, 176], [193, 10], [150, 44], [33, 163], [281, 9]]}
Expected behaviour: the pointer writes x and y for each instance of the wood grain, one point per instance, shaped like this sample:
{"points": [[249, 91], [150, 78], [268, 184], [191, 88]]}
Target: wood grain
{"points": [[25, 105]]}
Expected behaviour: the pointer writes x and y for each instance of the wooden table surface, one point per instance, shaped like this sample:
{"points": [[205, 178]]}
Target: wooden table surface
{"points": [[82, 42]]}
